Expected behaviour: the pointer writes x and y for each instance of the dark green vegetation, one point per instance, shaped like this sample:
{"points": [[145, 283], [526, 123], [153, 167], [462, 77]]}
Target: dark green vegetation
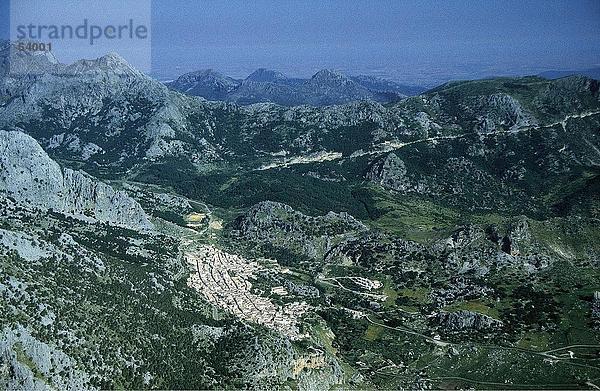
{"points": [[308, 194]]}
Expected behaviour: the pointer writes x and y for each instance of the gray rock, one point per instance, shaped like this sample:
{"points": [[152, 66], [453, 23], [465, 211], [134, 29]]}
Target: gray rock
{"points": [[466, 320], [390, 172], [596, 310], [280, 226], [32, 178], [29, 364]]}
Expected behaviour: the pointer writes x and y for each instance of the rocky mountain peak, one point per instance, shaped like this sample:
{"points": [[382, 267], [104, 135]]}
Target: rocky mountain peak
{"points": [[326, 87], [112, 63], [329, 76], [205, 75], [264, 75]]}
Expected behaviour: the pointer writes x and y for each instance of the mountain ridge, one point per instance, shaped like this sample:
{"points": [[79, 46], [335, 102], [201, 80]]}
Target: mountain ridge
{"points": [[325, 87], [32, 178]]}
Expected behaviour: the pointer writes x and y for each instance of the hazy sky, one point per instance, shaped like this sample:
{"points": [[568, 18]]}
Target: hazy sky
{"points": [[386, 37], [421, 41]]}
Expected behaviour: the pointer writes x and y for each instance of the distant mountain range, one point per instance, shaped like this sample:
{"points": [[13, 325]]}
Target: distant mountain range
{"points": [[326, 87], [594, 73]]}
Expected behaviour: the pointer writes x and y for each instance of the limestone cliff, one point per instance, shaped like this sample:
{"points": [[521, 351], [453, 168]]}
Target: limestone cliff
{"points": [[28, 175]]}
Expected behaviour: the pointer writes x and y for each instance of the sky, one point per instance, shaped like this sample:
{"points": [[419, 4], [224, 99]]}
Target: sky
{"points": [[422, 42], [402, 39]]}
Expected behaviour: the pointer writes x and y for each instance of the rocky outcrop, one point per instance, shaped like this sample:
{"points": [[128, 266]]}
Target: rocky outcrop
{"points": [[596, 310], [459, 289], [459, 181], [390, 172], [278, 225], [471, 249], [29, 364], [462, 238], [382, 253], [501, 111], [518, 239], [466, 320], [28, 175]]}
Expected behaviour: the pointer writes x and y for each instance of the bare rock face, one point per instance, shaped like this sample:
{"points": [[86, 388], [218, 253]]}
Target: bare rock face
{"points": [[390, 173], [596, 310], [518, 240], [502, 111], [29, 364], [466, 320], [28, 175]]}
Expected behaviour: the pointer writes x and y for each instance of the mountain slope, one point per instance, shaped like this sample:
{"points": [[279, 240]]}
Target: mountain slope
{"points": [[208, 84], [31, 177], [520, 138]]}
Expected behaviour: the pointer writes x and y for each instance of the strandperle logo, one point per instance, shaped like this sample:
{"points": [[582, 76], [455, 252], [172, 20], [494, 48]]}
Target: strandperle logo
{"points": [[67, 31], [85, 31]]}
